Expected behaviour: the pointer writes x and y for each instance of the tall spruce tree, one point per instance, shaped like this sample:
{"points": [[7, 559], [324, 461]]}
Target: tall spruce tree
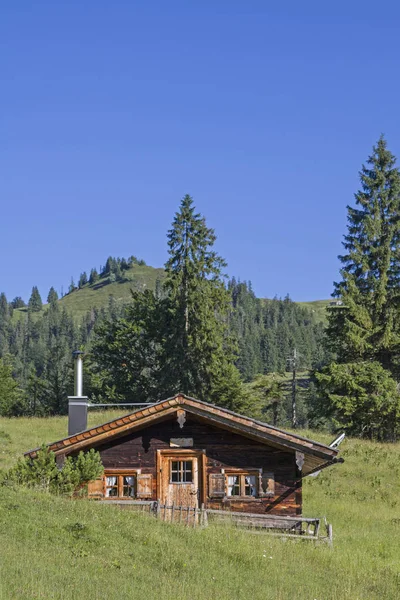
{"points": [[358, 391], [94, 276], [35, 301], [367, 325], [52, 296], [83, 279], [176, 340], [12, 401], [198, 353], [4, 308]]}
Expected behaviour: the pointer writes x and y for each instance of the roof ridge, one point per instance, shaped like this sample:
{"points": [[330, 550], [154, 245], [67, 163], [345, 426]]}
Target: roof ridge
{"points": [[283, 437]]}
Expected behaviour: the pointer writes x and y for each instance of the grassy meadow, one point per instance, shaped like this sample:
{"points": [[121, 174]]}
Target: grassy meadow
{"points": [[56, 548], [318, 308]]}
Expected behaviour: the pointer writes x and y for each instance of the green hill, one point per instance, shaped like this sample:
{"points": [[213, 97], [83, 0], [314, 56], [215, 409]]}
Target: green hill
{"points": [[137, 278], [55, 548], [80, 301], [318, 308]]}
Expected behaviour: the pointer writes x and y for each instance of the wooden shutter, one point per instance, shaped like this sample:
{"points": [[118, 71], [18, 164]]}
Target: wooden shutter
{"points": [[216, 485], [268, 484], [144, 486], [96, 488]]}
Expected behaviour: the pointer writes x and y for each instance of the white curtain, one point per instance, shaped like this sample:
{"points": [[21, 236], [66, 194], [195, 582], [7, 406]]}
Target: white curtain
{"points": [[251, 481], [232, 481], [129, 489], [110, 481]]}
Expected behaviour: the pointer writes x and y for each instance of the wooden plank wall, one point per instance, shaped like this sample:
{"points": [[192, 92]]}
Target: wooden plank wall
{"points": [[224, 449]]}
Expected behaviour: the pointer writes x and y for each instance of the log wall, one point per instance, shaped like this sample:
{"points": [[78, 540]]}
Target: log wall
{"points": [[224, 449]]}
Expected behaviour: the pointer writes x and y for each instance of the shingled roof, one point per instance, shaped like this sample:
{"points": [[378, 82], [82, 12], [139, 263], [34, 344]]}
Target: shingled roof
{"points": [[316, 455]]}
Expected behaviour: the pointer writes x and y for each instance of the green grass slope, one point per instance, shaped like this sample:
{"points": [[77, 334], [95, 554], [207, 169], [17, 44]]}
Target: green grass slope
{"points": [[80, 301], [97, 295], [318, 308], [55, 548], [137, 278]]}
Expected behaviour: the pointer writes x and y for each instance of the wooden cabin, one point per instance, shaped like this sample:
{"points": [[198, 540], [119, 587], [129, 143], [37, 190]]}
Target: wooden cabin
{"points": [[187, 452]]}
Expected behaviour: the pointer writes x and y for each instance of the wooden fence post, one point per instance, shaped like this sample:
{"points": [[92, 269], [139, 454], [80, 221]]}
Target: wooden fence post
{"points": [[205, 518], [330, 535], [201, 523]]}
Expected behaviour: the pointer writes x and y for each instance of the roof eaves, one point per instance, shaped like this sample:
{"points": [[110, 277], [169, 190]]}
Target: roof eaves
{"points": [[183, 399]]}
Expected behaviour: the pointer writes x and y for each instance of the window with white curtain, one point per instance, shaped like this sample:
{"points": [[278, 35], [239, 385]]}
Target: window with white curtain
{"points": [[241, 484], [111, 486], [121, 485]]}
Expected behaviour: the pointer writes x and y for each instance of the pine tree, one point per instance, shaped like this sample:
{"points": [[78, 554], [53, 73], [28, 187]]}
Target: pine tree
{"points": [[37, 394], [4, 308], [367, 325], [118, 273], [52, 296], [269, 393], [111, 265], [125, 353], [198, 353], [12, 401], [361, 398], [94, 276], [83, 279], [18, 302], [35, 301]]}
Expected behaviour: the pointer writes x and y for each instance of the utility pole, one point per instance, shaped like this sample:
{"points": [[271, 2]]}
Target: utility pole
{"points": [[293, 364]]}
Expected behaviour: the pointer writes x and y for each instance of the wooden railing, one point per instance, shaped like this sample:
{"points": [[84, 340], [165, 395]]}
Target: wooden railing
{"points": [[191, 516], [296, 527], [304, 527]]}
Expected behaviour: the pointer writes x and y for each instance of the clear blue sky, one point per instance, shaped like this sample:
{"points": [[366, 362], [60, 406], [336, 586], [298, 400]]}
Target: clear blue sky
{"points": [[262, 111]]}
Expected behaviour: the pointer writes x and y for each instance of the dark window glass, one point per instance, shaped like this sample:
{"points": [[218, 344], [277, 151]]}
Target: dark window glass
{"points": [[233, 485], [187, 476], [129, 487], [250, 485], [181, 471], [175, 471]]}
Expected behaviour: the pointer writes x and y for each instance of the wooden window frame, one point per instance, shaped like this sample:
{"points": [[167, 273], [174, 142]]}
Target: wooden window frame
{"points": [[261, 477], [181, 471], [242, 473], [120, 474]]}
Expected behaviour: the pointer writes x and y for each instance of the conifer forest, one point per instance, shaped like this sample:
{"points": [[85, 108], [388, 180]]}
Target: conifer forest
{"points": [[191, 328]]}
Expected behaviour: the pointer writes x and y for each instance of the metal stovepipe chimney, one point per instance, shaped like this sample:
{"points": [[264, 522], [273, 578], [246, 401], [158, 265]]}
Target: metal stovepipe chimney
{"points": [[77, 404], [78, 381]]}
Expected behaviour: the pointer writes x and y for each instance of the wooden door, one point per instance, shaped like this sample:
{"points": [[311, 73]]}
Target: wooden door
{"points": [[180, 480]]}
